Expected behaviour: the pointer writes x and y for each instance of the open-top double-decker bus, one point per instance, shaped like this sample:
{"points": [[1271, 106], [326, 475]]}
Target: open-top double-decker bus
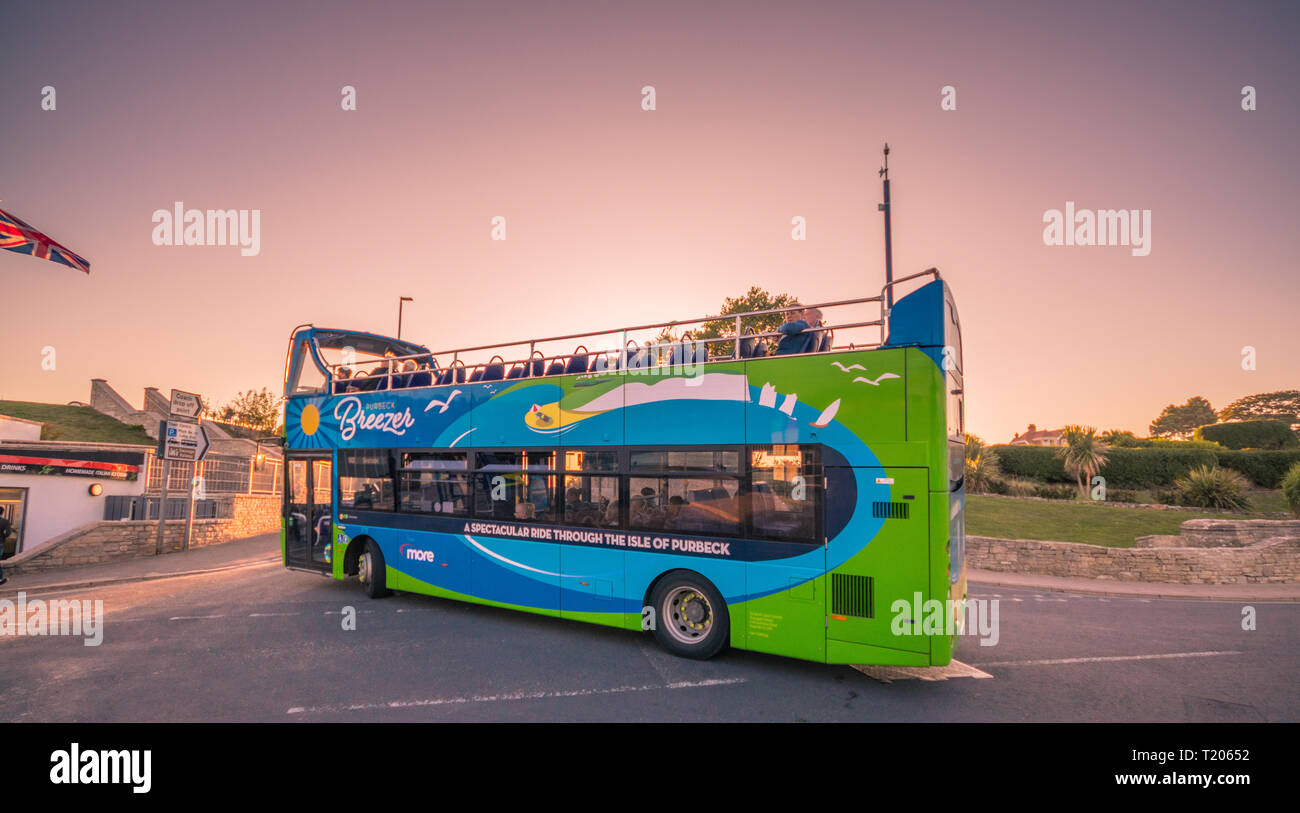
{"points": [[806, 504]]}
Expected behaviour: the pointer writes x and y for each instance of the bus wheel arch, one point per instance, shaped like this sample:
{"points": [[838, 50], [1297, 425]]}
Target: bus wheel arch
{"points": [[352, 555], [372, 571], [691, 617]]}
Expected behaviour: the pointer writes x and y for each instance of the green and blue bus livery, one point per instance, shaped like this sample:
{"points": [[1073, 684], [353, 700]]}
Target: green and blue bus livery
{"points": [[779, 504]]}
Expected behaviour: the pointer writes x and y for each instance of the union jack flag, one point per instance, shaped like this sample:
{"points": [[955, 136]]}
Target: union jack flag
{"points": [[16, 235]]}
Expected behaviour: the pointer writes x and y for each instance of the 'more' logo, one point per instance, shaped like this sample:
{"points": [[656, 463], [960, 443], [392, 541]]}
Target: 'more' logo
{"points": [[416, 554]]}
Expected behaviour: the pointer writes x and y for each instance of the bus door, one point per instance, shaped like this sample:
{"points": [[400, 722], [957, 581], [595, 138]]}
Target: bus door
{"points": [[308, 526]]}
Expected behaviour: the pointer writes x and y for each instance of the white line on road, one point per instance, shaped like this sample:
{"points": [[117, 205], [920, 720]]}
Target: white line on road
{"points": [[192, 617], [497, 698], [268, 615], [1112, 658]]}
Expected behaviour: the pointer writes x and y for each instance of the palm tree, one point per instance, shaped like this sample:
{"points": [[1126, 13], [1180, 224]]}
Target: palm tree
{"points": [[1084, 454], [982, 466]]}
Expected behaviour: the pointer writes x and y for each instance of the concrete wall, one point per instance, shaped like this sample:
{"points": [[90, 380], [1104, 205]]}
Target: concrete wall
{"points": [[1275, 559], [104, 541]]}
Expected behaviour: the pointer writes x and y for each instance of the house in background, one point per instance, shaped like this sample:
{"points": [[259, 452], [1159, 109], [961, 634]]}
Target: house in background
{"points": [[1034, 436]]}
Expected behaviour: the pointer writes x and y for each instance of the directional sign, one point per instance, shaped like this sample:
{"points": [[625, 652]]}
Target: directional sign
{"points": [[182, 440], [186, 405]]}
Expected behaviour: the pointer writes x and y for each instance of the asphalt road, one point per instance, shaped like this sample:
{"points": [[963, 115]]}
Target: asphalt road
{"points": [[261, 643]]}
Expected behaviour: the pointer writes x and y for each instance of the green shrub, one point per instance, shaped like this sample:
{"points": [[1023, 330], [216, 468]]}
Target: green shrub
{"points": [[981, 470], [1153, 466], [1166, 443], [1250, 434], [1264, 468], [1166, 496], [1034, 462], [1018, 487], [1291, 488], [1213, 487], [1056, 492], [1121, 495], [1143, 467]]}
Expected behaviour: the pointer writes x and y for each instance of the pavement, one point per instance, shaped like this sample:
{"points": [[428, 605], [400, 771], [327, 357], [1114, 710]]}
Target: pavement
{"points": [[265, 549], [253, 551]]}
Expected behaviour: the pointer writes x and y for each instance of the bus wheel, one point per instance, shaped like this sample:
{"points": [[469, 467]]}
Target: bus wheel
{"points": [[691, 617], [371, 570]]}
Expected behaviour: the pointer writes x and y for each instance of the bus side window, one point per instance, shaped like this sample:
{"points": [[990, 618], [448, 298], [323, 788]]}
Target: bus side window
{"points": [[366, 480]]}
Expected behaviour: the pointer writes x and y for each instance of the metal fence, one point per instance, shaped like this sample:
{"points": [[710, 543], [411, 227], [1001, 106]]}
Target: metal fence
{"points": [[126, 507], [222, 474]]}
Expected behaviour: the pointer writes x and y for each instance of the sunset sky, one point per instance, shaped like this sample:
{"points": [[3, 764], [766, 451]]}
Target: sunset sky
{"points": [[765, 111]]}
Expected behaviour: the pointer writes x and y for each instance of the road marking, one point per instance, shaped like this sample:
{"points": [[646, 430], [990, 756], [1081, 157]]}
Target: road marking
{"points": [[498, 698], [955, 669], [192, 617], [1113, 658], [1042, 598], [268, 615]]}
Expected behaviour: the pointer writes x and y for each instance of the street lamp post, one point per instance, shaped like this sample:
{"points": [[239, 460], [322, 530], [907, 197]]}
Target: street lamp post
{"points": [[401, 301]]}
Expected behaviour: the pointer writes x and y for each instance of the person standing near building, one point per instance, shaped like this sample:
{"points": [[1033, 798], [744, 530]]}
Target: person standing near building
{"points": [[5, 527]]}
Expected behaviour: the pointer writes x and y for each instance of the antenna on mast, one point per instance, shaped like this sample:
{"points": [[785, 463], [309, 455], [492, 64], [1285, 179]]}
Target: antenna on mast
{"points": [[889, 251]]}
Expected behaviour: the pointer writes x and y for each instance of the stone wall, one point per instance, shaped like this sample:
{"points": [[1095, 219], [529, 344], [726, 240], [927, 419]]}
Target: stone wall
{"points": [[1276, 559], [109, 541]]}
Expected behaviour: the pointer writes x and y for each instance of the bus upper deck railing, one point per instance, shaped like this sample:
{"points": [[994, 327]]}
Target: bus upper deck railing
{"points": [[683, 351]]}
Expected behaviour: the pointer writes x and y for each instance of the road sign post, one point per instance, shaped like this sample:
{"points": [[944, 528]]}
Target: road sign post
{"points": [[181, 437]]}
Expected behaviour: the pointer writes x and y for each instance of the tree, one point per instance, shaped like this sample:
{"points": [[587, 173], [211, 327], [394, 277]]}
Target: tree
{"points": [[1283, 405], [1084, 455], [1181, 421], [256, 410], [756, 299]]}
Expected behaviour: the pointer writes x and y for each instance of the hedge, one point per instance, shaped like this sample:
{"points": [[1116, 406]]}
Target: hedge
{"points": [[1250, 434], [1148, 467], [1035, 462], [1263, 468]]}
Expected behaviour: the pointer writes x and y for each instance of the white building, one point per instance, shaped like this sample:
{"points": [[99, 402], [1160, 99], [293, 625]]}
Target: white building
{"points": [[49, 487]]}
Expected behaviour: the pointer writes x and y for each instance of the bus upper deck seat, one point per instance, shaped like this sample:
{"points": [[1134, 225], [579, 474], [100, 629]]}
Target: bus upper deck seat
{"points": [[688, 351], [828, 340], [556, 368], [578, 361], [476, 376], [599, 364], [495, 370], [747, 344], [516, 371], [536, 366]]}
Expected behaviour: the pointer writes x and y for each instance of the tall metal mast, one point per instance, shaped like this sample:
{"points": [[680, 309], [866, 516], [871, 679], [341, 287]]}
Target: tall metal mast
{"points": [[889, 249]]}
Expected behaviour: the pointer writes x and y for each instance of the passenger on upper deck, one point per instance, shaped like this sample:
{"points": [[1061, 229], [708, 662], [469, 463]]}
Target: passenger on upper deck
{"points": [[792, 338], [817, 333]]}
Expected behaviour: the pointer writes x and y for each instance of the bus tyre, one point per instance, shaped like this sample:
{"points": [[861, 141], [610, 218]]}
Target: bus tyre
{"points": [[372, 571], [691, 619]]}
